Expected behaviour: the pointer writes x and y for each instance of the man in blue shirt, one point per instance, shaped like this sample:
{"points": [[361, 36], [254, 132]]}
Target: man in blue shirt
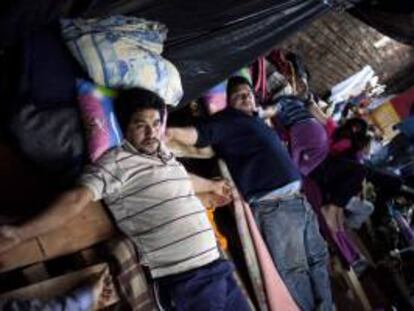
{"points": [[270, 182]]}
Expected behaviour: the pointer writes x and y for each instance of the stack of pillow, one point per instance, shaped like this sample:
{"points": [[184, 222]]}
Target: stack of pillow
{"points": [[118, 52]]}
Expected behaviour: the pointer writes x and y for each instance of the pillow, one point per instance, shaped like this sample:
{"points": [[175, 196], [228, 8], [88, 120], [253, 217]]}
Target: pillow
{"points": [[51, 71], [215, 99], [124, 52], [102, 128]]}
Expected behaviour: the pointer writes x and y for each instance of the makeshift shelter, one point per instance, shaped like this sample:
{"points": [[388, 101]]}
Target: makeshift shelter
{"points": [[207, 42]]}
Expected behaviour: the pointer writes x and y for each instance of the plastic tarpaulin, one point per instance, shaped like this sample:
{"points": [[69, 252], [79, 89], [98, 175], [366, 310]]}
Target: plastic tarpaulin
{"points": [[352, 86], [393, 18], [207, 40]]}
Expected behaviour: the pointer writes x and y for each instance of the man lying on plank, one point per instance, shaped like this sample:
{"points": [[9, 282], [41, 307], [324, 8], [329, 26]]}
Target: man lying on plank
{"points": [[152, 199]]}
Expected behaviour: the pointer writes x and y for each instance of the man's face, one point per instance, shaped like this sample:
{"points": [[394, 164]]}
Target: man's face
{"points": [[242, 99], [144, 131]]}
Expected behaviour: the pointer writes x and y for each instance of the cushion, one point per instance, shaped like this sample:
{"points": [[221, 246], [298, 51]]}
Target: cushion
{"points": [[215, 99], [102, 128], [51, 138], [124, 52], [51, 69]]}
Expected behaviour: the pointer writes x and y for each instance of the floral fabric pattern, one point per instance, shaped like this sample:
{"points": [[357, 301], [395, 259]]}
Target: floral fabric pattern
{"points": [[124, 52]]}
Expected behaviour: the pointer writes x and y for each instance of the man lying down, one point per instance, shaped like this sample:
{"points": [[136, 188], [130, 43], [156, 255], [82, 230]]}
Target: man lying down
{"points": [[152, 199]]}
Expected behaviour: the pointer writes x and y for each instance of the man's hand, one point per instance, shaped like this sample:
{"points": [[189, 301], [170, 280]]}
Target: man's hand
{"points": [[103, 290], [222, 188], [183, 135], [9, 238]]}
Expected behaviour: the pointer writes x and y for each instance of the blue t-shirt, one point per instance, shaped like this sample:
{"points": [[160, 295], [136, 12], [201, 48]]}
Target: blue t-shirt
{"points": [[256, 158]]}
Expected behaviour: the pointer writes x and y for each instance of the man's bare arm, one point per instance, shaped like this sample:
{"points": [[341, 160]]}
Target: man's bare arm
{"points": [[64, 208], [218, 186], [184, 135], [201, 184]]}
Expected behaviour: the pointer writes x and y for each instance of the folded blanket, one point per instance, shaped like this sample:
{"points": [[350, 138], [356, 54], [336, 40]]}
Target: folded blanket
{"points": [[271, 292], [124, 52], [129, 276]]}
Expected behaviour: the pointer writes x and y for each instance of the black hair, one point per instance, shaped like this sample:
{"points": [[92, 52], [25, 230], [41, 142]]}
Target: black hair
{"points": [[356, 130], [352, 127], [234, 82], [129, 101]]}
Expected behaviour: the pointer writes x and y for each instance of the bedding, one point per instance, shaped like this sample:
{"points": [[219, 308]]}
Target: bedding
{"points": [[49, 71], [124, 52], [101, 126], [51, 138], [43, 119]]}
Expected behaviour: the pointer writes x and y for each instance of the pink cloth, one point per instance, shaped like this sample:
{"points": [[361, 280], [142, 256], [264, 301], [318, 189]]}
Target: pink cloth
{"points": [[249, 249], [278, 296], [330, 127], [268, 286]]}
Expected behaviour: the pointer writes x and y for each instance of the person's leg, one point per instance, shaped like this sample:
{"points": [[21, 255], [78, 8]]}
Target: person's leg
{"points": [[208, 288], [283, 228], [317, 254]]}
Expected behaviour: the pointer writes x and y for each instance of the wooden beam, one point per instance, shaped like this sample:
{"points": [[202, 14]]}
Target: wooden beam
{"points": [[92, 226], [62, 284]]}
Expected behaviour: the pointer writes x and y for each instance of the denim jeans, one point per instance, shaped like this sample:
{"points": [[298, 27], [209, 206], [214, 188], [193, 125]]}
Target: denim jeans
{"points": [[290, 230]]}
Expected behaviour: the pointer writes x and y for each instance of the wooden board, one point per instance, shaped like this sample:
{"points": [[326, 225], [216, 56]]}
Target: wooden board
{"points": [[60, 285], [90, 227]]}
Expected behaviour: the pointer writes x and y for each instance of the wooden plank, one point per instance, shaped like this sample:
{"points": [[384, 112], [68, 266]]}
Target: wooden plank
{"points": [[352, 282], [36, 273], [89, 256], [63, 284], [25, 254], [90, 227]]}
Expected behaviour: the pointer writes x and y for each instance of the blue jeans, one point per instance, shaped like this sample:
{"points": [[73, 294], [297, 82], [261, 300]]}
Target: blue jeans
{"points": [[290, 230], [209, 288]]}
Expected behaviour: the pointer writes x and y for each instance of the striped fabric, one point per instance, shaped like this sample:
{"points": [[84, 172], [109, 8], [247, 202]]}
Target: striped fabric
{"points": [[291, 110], [153, 202]]}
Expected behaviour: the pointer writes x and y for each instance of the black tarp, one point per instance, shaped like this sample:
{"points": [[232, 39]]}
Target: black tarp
{"points": [[394, 18], [208, 40]]}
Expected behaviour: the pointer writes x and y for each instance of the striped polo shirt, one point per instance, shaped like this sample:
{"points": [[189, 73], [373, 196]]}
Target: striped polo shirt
{"points": [[153, 202]]}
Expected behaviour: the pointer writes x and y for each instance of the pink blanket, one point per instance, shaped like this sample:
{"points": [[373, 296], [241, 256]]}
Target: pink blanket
{"points": [[278, 297], [269, 288]]}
